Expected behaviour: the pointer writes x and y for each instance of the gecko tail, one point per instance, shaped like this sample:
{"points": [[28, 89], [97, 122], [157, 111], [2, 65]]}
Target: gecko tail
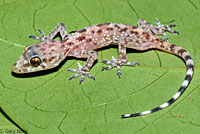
{"points": [[189, 73]]}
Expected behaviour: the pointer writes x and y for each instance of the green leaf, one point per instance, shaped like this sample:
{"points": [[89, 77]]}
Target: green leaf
{"points": [[52, 104]]}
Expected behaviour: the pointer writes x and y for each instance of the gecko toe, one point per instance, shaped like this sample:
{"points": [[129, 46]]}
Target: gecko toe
{"points": [[82, 79], [34, 37], [119, 74], [132, 63], [74, 76], [172, 25], [175, 32], [42, 33], [72, 70], [107, 68], [106, 61], [91, 76]]}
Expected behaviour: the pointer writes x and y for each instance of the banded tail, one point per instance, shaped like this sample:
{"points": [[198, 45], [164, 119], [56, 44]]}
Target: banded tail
{"points": [[171, 48]]}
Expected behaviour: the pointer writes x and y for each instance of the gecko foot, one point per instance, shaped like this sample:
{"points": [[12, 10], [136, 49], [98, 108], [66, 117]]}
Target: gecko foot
{"points": [[162, 28], [43, 38], [80, 72], [117, 63]]}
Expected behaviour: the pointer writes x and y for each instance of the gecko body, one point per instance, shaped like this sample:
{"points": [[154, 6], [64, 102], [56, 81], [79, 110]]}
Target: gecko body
{"points": [[49, 53]]}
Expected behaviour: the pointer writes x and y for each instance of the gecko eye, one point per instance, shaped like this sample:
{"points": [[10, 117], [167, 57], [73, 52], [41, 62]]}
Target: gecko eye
{"points": [[35, 61]]}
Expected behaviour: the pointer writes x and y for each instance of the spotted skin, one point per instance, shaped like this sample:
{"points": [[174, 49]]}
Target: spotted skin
{"points": [[49, 53]]}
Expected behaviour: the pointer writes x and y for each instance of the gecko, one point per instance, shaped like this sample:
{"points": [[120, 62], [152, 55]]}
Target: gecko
{"points": [[49, 53]]}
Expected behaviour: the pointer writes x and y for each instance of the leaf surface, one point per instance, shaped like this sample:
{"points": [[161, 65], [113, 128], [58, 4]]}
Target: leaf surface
{"points": [[52, 104]]}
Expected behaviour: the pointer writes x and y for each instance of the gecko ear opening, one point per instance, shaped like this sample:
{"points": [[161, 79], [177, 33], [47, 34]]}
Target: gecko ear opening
{"points": [[35, 61]]}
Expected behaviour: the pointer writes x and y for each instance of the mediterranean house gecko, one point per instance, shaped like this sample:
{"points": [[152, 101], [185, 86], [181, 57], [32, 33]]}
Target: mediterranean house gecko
{"points": [[49, 53]]}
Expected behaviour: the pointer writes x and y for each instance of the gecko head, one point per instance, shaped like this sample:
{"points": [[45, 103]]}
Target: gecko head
{"points": [[38, 57]]}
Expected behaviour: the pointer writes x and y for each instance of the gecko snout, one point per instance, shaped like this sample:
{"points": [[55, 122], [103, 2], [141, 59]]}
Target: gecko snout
{"points": [[20, 66], [15, 69]]}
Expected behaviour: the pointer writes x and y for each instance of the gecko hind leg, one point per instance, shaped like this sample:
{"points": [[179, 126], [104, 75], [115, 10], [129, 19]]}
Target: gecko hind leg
{"points": [[117, 63], [162, 28], [60, 28]]}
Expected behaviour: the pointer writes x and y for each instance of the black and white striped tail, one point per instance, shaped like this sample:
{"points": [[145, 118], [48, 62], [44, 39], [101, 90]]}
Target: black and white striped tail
{"points": [[190, 69]]}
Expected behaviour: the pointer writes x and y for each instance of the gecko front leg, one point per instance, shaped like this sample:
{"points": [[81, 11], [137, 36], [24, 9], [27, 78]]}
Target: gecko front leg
{"points": [[60, 28], [122, 61], [84, 71]]}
